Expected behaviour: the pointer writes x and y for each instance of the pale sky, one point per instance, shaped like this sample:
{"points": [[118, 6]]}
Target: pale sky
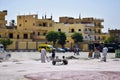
{"points": [[109, 10]]}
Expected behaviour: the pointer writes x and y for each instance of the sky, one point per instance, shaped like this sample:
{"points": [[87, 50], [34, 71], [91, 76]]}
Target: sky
{"points": [[101, 9]]}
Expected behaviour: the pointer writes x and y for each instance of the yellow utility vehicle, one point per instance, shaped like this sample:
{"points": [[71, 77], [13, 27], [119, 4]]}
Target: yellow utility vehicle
{"points": [[46, 46]]}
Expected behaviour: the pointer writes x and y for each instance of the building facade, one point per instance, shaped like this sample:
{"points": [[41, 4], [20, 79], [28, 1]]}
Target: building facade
{"points": [[3, 22], [30, 30], [116, 34], [91, 28]]}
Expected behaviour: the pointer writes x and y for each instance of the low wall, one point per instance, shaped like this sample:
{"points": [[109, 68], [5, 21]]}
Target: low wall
{"points": [[30, 45]]}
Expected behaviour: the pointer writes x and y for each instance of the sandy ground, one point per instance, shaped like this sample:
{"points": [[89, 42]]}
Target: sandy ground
{"points": [[27, 66], [75, 75]]}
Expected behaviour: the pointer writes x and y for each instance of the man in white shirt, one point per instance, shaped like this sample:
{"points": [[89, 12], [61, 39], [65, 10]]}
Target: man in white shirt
{"points": [[43, 55], [104, 52]]}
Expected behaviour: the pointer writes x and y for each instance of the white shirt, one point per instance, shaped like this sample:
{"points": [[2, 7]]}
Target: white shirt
{"points": [[105, 50]]}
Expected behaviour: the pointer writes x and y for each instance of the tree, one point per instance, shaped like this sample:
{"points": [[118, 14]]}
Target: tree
{"points": [[77, 37], [52, 36], [6, 42], [62, 39], [110, 40], [12, 23]]}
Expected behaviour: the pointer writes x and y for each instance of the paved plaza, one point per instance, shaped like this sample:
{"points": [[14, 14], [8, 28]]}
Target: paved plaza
{"points": [[27, 66]]}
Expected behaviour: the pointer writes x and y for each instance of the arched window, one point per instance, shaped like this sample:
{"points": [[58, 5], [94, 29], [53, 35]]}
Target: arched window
{"points": [[79, 29], [72, 30], [59, 30]]}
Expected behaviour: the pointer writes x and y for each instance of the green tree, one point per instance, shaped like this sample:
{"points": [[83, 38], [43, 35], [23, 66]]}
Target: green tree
{"points": [[52, 36], [110, 40], [77, 37], [13, 22], [6, 42], [62, 39]]}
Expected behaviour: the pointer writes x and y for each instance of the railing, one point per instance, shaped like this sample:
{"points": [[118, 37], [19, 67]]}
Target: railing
{"points": [[99, 26], [89, 24], [89, 32]]}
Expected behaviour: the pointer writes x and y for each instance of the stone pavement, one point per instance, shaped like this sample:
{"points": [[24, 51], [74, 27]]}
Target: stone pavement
{"points": [[27, 65]]}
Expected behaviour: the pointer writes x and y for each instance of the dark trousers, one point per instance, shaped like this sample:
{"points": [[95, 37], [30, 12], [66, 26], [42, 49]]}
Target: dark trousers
{"points": [[104, 59]]}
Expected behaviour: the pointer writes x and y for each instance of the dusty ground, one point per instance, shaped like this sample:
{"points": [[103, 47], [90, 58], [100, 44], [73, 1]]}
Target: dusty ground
{"points": [[27, 66], [75, 75]]}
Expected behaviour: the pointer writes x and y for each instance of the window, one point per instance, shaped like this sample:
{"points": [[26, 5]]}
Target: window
{"points": [[99, 24], [20, 25], [95, 31], [72, 30], [33, 33], [79, 29], [85, 29], [44, 24], [44, 34], [95, 24], [19, 17], [18, 36], [95, 37], [40, 25], [10, 35], [90, 30], [99, 31], [38, 33], [99, 38], [33, 24], [25, 20], [25, 36], [59, 30]]}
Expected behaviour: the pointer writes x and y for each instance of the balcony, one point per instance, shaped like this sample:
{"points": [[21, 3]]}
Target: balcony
{"points": [[99, 26], [89, 32], [89, 25]]}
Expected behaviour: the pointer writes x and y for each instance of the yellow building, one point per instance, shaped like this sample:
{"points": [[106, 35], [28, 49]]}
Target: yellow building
{"points": [[38, 27], [3, 22], [91, 29], [30, 30]]}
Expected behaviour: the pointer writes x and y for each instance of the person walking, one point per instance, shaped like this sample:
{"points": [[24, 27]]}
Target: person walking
{"points": [[77, 51], [74, 50], [104, 53], [96, 53], [43, 55], [90, 54], [53, 54]]}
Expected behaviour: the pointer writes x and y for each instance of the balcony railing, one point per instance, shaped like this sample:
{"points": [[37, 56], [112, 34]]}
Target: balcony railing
{"points": [[89, 32], [99, 26]]}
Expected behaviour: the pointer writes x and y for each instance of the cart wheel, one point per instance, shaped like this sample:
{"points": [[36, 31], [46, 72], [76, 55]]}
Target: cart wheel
{"points": [[65, 62], [53, 62], [8, 56]]}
